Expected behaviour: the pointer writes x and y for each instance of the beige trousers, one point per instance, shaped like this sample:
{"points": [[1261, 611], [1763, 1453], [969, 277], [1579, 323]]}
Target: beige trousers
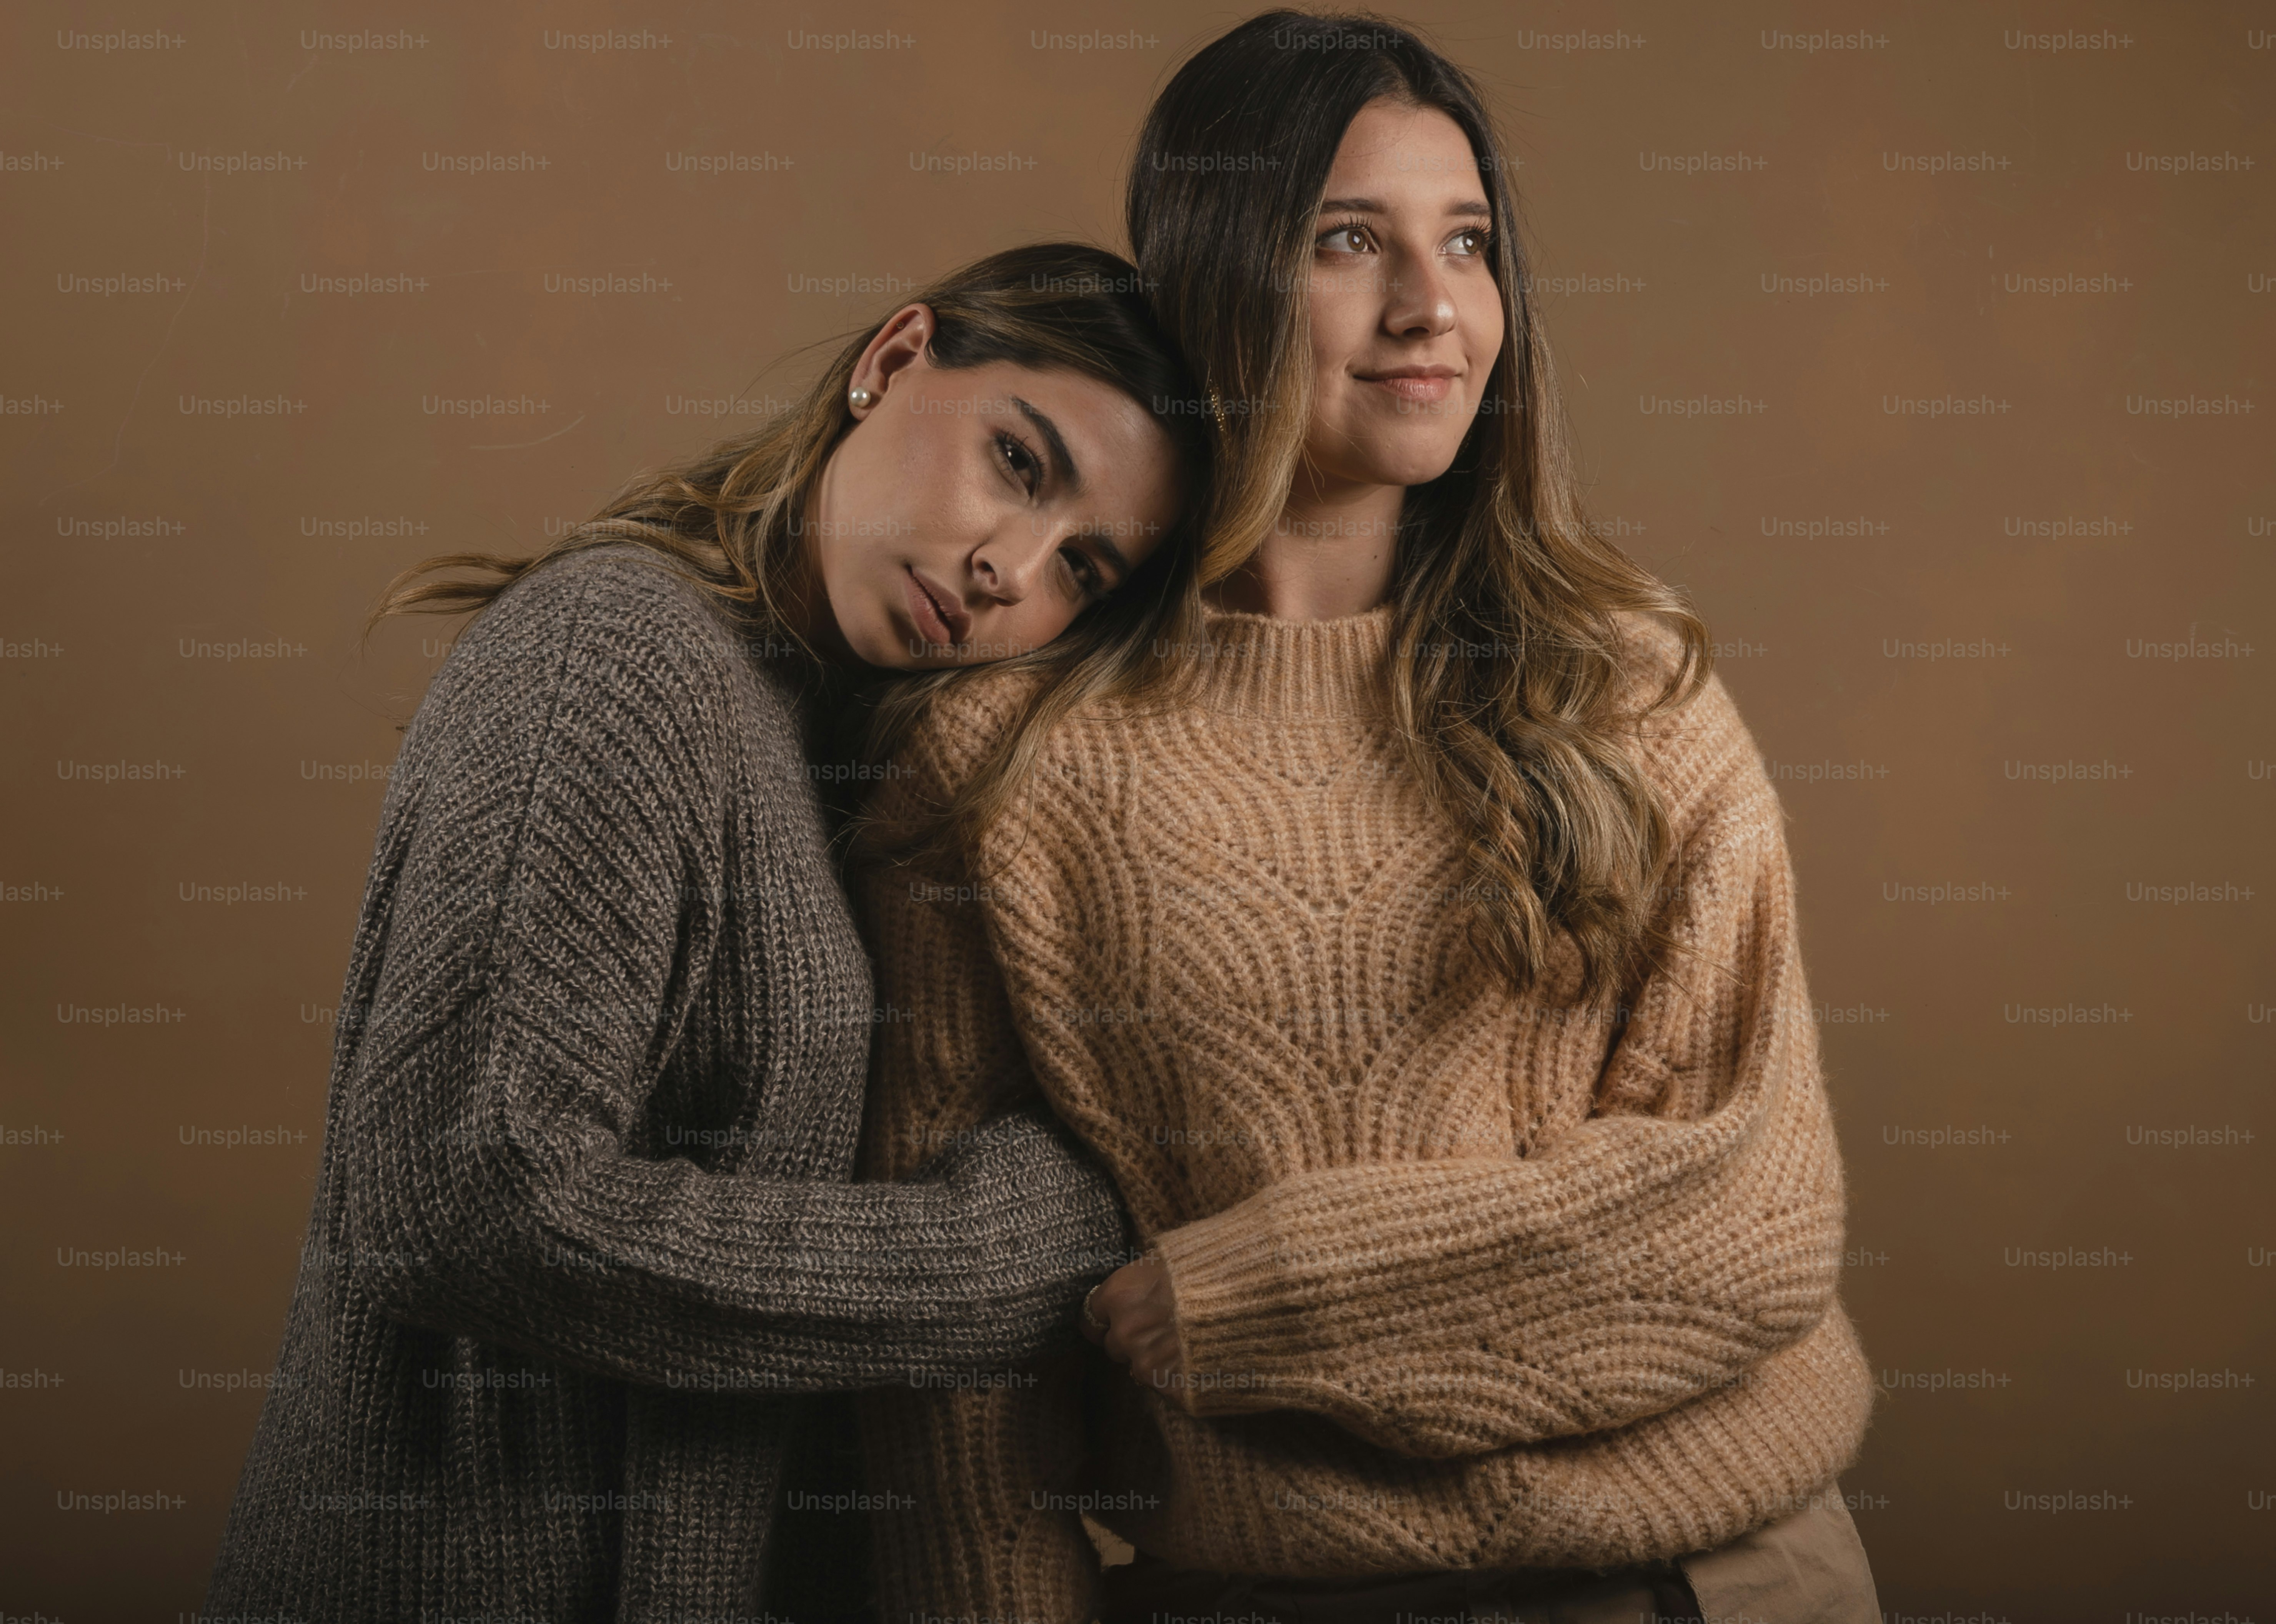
{"points": [[1808, 1569]]}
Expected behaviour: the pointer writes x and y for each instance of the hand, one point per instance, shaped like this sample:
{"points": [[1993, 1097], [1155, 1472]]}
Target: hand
{"points": [[1141, 1319]]}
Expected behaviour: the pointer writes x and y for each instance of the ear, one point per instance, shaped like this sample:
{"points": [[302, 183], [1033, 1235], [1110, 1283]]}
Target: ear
{"points": [[898, 347]]}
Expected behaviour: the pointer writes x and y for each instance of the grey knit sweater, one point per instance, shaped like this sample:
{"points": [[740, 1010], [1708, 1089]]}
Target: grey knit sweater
{"points": [[583, 1232]]}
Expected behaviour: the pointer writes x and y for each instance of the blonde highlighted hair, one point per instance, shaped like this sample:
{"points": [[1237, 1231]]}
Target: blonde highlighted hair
{"points": [[1509, 667], [1510, 675]]}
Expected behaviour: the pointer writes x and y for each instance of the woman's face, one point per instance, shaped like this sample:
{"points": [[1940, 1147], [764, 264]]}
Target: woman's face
{"points": [[1407, 317], [971, 515]]}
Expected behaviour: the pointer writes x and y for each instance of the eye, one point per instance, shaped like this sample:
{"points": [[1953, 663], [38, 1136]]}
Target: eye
{"points": [[1472, 241], [1021, 463], [1087, 576], [1344, 237]]}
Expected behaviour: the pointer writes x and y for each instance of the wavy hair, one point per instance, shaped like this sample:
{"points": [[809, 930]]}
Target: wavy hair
{"points": [[1508, 662]]}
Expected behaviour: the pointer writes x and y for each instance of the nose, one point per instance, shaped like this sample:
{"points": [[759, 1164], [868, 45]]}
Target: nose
{"points": [[1008, 563], [1421, 305]]}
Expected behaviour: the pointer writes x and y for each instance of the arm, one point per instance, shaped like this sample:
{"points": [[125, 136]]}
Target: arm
{"points": [[1655, 1253], [961, 1472], [563, 800]]}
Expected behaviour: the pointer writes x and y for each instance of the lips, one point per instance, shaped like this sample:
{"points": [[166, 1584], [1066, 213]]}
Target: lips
{"points": [[940, 620], [1419, 383]]}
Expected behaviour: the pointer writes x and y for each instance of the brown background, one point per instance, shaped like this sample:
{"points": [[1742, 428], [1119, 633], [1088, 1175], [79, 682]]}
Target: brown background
{"points": [[111, 1374]]}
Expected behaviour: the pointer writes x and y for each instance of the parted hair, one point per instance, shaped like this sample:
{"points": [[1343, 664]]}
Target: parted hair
{"points": [[1508, 663]]}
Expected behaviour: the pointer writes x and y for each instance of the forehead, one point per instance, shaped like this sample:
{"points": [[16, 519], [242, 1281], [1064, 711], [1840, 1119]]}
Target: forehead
{"points": [[1413, 151], [1089, 413]]}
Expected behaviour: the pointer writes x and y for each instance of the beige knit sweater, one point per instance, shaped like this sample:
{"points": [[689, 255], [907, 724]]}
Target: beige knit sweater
{"points": [[1464, 1280]]}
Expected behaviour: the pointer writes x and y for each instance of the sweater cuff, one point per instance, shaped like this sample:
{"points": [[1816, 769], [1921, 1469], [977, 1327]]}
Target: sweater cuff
{"points": [[1228, 1284]]}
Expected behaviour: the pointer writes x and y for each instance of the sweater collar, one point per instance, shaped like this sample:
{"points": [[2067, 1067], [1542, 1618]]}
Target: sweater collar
{"points": [[1258, 665]]}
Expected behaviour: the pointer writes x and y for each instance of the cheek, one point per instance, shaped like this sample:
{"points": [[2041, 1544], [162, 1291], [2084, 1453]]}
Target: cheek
{"points": [[904, 474], [942, 483], [1483, 327], [1025, 626], [863, 483], [1340, 326]]}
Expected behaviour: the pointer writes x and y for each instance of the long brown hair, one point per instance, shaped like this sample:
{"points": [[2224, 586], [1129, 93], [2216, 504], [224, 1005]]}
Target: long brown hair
{"points": [[729, 519], [1508, 662]]}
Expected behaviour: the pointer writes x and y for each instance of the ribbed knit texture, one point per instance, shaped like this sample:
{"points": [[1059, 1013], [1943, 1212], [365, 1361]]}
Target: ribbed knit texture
{"points": [[582, 1228], [1464, 1279]]}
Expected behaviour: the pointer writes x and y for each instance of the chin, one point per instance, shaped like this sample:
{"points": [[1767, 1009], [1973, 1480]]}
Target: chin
{"points": [[1410, 465], [882, 644], [1403, 450]]}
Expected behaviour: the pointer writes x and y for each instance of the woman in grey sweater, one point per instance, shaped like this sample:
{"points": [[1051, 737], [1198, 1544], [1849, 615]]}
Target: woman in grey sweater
{"points": [[583, 1237]]}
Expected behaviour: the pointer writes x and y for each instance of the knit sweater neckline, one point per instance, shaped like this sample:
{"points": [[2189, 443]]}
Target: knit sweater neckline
{"points": [[1262, 666]]}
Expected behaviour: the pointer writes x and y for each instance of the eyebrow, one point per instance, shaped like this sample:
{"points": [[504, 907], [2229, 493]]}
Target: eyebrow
{"points": [[1372, 206], [1062, 460]]}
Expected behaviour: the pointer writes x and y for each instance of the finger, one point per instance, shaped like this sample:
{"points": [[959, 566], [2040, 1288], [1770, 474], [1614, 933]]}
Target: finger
{"points": [[1162, 1353], [1096, 1315], [1154, 1354]]}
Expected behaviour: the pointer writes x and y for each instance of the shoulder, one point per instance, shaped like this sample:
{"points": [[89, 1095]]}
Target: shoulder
{"points": [[1697, 751], [602, 658], [959, 724], [622, 602]]}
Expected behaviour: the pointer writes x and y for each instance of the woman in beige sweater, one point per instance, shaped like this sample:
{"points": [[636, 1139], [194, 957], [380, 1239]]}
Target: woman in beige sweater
{"points": [[1413, 937]]}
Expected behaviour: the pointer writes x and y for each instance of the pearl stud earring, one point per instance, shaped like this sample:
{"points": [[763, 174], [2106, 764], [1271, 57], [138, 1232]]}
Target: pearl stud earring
{"points": [[860, 398]]}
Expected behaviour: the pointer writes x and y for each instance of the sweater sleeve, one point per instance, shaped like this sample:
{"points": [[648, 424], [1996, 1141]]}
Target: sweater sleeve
{"points": [[1689, 1227], [975, 1517], [533, 930]]}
